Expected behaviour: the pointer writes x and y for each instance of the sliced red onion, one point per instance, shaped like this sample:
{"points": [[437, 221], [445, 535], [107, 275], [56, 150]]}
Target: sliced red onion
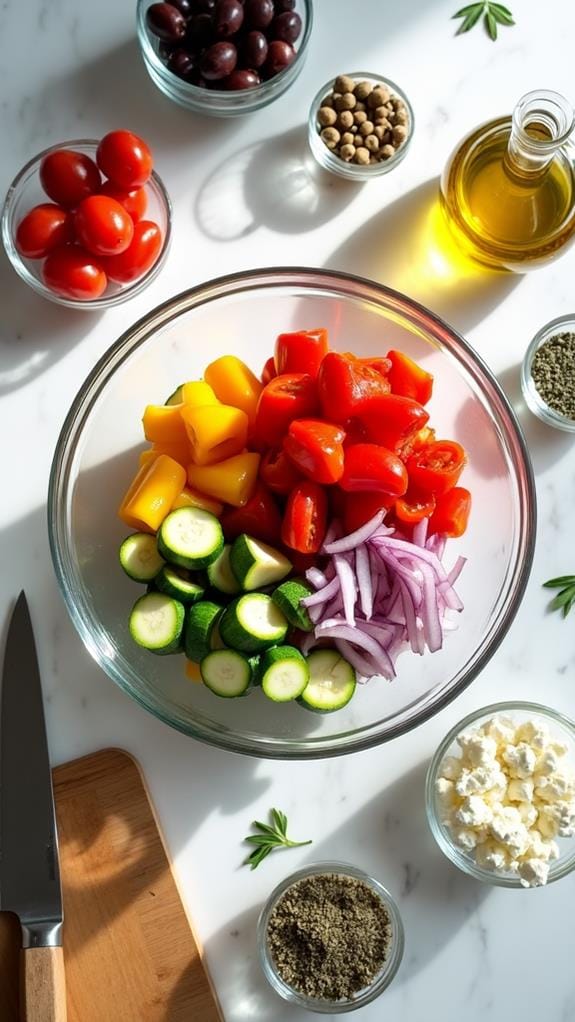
{"points": [[430, 611], [364, 642], [334, 532], [420, 532], [322, 595], [456, 570], [354, 539], [307, 643], [346, 576], [316, 578], [362, 665], [364, 583]]}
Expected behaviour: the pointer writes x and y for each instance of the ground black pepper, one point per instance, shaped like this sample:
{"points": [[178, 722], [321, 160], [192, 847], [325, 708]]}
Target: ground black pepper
{"points": [[553, 373], [329, 935]]}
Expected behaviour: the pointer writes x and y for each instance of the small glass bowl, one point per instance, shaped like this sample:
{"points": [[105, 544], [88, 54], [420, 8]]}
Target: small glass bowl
{"points": [[561, 728], [354, 171], [383, 978], [219, 102], [26, 192], [533, 398]]}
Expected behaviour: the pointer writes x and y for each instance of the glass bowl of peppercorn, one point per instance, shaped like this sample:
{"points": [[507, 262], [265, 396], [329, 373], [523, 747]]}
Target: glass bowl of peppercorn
{"points": [[330, 938], [224, 57], [360, 126], [548, 374]]}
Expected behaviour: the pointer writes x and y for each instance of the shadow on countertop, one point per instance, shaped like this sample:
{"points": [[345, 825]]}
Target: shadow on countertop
{"points": [[546, 444]]}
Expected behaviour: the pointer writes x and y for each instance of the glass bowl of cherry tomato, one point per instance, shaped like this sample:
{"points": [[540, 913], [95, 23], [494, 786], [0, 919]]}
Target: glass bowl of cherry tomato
{"points": [[87, 223], [224, 57]]}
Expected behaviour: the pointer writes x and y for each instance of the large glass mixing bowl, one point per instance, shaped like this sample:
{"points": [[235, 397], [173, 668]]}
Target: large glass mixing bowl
{"points": [[97, 454]]}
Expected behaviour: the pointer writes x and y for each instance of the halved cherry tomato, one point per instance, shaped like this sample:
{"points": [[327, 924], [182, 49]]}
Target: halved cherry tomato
{"points": [[135, 202], [42, 229], [103, 226], [278, 472], [301, 352], [397, 419], [68, 177], [436, 467], [355, 433], [337, 502], [421, 439], [286, 397], [305, 518], [268, 371], [452, 512], [125, 158], [140, 255], [347, 388], [316, 448], [380, 365], [361, 507], [408, 378], [410, 509], [373, 468], [260, 517], [72, 272]]}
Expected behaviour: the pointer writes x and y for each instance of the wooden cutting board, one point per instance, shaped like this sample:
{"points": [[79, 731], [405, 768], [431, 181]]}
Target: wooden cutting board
{"points": [[129, 951]]}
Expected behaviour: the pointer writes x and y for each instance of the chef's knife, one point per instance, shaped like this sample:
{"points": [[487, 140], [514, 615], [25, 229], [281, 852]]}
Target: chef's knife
{"points": [[29, 871]]}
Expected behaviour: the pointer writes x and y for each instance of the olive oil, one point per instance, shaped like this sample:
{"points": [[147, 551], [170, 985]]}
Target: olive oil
{"points": [[509, 189]]}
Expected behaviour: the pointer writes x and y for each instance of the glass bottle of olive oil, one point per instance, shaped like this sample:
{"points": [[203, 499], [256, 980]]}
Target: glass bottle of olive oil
{"points": [[508, 191]]}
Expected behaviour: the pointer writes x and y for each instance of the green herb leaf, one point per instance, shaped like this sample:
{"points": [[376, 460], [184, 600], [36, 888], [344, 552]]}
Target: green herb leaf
{"points": [[558, 583], [562, 598], [471, 20], [493, 14], [502, 15], [469, 10], [491, 25], [269, 837]]}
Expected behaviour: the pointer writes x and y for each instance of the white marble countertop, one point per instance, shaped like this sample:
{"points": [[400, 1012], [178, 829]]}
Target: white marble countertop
{"points": [[72, 69]]}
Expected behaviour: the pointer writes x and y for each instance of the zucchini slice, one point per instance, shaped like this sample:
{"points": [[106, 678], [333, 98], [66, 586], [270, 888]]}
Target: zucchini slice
{"points": [[226, 673], [252, 623], [220, 574], [174, 583], [288, 597], [157, 623], [331, 682], [139, 557], [283, 673], [200, 625], [176, 398], [190, 537], [255, 564]]}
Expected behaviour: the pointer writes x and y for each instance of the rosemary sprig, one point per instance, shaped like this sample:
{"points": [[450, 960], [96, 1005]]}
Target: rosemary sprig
{"points": [[564, 599], [270, 837], [494, 14]]}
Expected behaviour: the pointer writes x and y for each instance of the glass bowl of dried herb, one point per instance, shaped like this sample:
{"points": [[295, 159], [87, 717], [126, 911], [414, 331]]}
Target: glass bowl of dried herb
{"points": [[548, 374], [330, 938]]}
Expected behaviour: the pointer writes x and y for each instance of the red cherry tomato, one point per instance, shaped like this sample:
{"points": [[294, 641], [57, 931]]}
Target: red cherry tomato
{"points": [[408, 378], [42, 229], [452, 512], [68, 177], [268, 371], [316, 449], [72, 272], [372, 468], [260, 517], [360, 508], [139, 257], [278, 472], [380, 365], [411, 509], [135, 202], [347, 388], [301, 352], [103, 226], [287, 397], [436, 467], [397, 419], [305, 518], [125, 158]]}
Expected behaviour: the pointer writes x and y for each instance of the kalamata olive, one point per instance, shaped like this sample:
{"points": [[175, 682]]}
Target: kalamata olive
{"points": [[204, 6], [182, 64], [228, 18], [218, 61], [166, 22], [185, 7], [284, 5], [286, 26], [280, 56], [254, 49], [259, 13], [242, 79], [200, 32]]}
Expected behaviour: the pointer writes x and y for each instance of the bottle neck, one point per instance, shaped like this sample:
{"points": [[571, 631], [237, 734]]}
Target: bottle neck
{"points": [[541, 124]]}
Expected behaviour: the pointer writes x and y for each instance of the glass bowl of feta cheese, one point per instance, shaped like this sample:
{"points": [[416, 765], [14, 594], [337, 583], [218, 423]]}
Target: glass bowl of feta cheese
{"points": [[500, 795]]}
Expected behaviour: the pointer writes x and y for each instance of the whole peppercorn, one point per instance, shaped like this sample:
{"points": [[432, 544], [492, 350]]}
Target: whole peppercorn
{"points": [[361, 155], [371, 142], [327, 101], [379, 131], [326, 116], [360, 106], [399, 133], [345, 102], [345, 119], [346, 138], [380, 111], [359, 117], [366, 128], [391, 115], [397, 103], [401, 117], [387, 151], [378, 96], [331, 137], [363, 89], [343, 83], [347, 152]]}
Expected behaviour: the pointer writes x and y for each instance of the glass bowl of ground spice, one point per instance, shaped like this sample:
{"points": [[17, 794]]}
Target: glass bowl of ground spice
{"points": [[548, 374], [330, 938]]}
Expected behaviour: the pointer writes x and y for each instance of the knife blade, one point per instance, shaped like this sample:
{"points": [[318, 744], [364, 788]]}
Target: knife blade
{"points": [[29, 868]]}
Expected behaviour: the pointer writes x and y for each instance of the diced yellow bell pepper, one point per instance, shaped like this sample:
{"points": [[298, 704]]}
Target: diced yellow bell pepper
{"points": [[163, 424], [192, 498], [147, 456], [193, 671], [198, 393], [179, 452], [215, 433], [231, 481], [152, 493], [235, 384]]}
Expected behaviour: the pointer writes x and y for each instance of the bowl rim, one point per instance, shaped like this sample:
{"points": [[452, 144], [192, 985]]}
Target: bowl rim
{"points": [[344, 285], [537, 404], [457, 856], [37, 285]]}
